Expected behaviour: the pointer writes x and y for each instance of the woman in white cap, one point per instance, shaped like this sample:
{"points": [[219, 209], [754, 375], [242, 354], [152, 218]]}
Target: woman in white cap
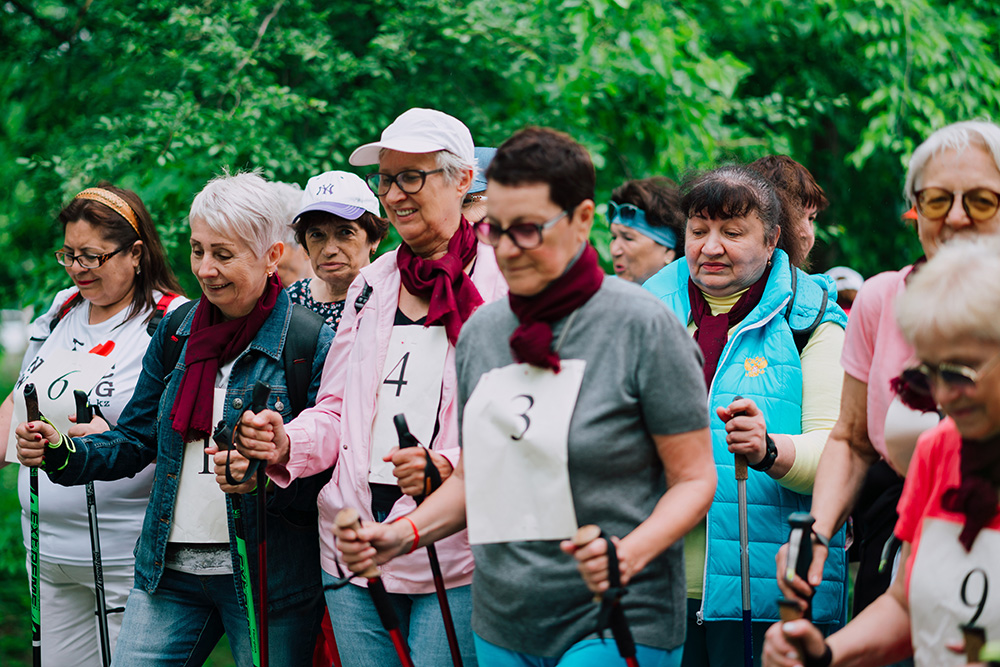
{"points": [[394, 353], [339, 226]]}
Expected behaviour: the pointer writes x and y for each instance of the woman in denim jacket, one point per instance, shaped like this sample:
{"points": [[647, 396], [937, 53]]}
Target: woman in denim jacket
{"points": [[186, 593]]}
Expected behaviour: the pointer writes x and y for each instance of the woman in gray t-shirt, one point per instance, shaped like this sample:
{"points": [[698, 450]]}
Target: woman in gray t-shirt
{"points": [[582, 403]]}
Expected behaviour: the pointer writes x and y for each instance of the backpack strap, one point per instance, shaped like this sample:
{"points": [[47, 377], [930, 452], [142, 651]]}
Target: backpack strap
{"points": [[171, 343], [161, 309], [300, 349], [802, 336], [366, 293], [68, 305]]}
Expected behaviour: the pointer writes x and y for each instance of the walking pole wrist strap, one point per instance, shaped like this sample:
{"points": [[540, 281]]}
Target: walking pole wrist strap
{"points": [[821, 661], [58, 453]]}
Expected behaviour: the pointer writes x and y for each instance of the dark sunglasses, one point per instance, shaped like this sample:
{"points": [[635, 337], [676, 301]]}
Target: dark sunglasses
{"points": [[526, 236], [921, 378], [980, 204], [627, 213]]}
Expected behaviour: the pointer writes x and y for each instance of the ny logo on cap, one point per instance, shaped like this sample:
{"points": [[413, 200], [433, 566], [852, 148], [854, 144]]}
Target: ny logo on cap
{"points": [[326, 189]]}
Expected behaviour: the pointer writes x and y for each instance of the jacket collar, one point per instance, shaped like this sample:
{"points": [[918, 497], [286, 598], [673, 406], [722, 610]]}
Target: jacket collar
{"points": [[271, 337]]}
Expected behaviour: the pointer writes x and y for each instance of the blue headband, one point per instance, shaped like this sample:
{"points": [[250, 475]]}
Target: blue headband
{"points": [[634, 217]]}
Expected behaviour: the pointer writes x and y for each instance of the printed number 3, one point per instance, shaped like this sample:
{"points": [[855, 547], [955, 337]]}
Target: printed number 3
{"points": [[981, 603], [524, 416]]}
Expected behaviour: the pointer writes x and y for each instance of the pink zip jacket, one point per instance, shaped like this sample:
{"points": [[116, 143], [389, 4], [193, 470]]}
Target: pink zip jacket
{"points": [[338, 430]]}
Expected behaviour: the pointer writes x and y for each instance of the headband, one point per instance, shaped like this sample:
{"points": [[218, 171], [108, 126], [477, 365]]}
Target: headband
{"points": [[112, 201], [635, 218]]}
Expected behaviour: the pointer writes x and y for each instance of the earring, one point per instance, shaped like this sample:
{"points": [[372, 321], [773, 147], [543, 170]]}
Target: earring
{"points": [[138, 269], [270, 273]]}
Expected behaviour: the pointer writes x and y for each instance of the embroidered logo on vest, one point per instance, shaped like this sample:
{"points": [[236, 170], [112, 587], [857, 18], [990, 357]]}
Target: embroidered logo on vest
{"points": [[755, 366]]}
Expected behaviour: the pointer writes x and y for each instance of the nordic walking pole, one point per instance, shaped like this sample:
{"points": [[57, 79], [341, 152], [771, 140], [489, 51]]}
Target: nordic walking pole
{"points": [[31, 404], [406, 439], [741, 498], [261, 392], [616, 615], [84, 414], [800, 555], [348, 518]]}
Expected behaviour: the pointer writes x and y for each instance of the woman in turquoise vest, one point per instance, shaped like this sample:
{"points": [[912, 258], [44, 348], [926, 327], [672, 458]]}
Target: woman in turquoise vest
{"points": [[771, 335]]}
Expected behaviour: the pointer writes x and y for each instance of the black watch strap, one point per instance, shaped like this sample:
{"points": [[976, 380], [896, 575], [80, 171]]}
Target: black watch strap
{"points": [[770, 456]]}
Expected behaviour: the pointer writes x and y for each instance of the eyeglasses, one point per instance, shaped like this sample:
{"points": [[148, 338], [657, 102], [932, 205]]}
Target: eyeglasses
{"points": [[87, 260], [980, 204], [921, 378], [526, 236], [410, 181], [627, 213]]}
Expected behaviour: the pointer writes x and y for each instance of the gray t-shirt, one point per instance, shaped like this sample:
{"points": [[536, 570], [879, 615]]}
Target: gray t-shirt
{"points": [[643, 377]]}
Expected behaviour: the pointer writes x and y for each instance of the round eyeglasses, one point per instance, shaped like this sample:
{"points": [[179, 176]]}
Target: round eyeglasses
{"points": [[410, 181], [526, 236], [980, 203], [87, 260]]}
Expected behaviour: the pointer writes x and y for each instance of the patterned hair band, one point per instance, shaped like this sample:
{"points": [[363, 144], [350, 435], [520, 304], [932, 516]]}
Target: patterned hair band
{"points": [[112, 201]]}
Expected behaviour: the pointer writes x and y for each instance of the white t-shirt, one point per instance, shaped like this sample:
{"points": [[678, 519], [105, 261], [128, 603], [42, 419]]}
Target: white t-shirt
{"points": [[64, 535]]}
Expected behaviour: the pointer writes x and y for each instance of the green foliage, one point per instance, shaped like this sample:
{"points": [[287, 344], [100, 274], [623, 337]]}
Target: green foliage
{"points": [[160, 95]]}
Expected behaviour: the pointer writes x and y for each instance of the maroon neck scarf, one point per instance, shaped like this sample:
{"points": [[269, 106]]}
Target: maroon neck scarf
{"points": [[213, 343], [976, 496], [452, 295], [531, 341], [713, 330]]}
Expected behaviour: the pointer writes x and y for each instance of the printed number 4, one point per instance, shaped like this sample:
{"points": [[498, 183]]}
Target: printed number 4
{"points": [[401, 365]]}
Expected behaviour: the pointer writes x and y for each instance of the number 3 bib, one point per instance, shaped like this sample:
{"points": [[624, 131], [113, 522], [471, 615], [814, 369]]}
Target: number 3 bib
{"points": [[515, 431], [950, 587]]}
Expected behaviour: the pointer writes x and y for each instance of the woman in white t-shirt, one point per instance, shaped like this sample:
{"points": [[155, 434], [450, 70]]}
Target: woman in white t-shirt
{"points": [[122, 286]]}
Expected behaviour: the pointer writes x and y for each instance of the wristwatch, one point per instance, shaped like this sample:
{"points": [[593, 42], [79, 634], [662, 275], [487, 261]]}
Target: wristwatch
{"points": [[770, 456]]}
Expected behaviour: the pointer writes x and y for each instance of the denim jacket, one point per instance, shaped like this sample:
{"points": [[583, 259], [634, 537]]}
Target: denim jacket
{"points": [[144, 433]]}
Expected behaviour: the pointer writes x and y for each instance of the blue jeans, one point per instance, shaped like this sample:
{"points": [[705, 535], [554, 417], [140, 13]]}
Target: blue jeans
{"points": [[180, 624], [363, 642], [586, 653]]}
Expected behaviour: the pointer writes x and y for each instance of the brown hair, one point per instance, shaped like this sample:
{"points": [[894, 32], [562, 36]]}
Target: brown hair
{"points": [[660, 199], [375, 227], [154, 270], [543, 155]]}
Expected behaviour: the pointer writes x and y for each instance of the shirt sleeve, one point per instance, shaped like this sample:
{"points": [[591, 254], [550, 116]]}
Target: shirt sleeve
{"points": [[822, 381], [862, 325], [917, 487]]}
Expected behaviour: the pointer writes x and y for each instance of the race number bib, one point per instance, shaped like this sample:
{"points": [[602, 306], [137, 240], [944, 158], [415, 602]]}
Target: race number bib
{"points": [[200, 508], [515, 434], [411, 385], [55, 378], [950, 588]]}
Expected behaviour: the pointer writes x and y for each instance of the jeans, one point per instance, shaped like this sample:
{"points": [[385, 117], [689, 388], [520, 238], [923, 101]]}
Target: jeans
{"points": [[363, 642], [180, 624], [584, 653]]}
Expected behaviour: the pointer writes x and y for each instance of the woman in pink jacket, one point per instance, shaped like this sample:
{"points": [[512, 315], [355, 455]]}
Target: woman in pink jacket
{"points": [[394, 353]]}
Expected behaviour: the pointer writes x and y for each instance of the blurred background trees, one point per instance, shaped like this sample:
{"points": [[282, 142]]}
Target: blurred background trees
{"points": [[160, 95]]}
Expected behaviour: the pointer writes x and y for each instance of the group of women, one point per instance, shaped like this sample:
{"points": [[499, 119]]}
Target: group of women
{"points": [[546, 396]]}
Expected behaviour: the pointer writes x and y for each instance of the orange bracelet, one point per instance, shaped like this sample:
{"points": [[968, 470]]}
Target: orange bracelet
{"points": [[416, 533]]}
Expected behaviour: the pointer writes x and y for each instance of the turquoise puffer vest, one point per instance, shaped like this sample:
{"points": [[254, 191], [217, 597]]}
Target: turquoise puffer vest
{"points": [[761, 362]]}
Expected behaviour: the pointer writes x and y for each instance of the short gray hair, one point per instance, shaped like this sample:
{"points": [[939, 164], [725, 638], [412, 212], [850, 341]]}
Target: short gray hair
{"points": [[957, 137], [291, 200], [952, 296], [242, 205]]}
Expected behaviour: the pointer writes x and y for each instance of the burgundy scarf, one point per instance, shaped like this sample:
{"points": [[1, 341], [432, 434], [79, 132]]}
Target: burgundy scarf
{"points": [[976, 496], [713, 330], [452, 294], [531, 341], [213, 343]]}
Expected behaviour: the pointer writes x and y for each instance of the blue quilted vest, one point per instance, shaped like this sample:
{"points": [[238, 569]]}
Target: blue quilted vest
{"points": [[761, 362]]}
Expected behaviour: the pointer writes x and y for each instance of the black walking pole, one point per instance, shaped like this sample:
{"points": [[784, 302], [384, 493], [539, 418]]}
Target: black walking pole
{"points": [[261, 392], [84, 414], [800, 554], [612, 614], [348, 518], [31, 405], [406, 439]]}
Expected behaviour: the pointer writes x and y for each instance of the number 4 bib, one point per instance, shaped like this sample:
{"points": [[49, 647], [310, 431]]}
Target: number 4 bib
{"points": [[515, 434]]}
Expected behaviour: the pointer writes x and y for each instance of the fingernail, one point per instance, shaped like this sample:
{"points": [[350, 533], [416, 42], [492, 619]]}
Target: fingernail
{"points": [[789, 626], [791, 655]]}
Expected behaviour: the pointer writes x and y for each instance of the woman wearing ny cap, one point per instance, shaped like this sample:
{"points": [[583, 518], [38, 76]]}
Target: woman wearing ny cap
{"points": [[394, 354], [474, 204], [339, 226], [646, 221]]}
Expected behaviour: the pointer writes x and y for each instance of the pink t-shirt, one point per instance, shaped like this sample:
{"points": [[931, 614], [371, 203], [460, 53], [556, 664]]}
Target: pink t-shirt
{"points": [[946, 586], [875, 351]]}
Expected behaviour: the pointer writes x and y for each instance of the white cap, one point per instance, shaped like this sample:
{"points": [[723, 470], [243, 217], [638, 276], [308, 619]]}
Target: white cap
{"points": [[338, 192], [846, 278], [420, 131]]}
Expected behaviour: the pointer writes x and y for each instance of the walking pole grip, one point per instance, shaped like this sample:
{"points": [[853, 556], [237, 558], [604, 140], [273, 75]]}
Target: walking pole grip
{"points": [[348, 518], [584, 536]]}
